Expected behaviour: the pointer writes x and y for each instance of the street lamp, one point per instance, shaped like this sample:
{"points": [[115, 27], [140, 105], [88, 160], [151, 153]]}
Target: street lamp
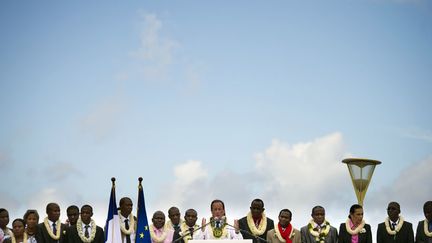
{"points": [[361, 171]]}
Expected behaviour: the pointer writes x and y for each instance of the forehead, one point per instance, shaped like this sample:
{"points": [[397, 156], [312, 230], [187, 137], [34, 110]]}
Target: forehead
{"points": [[257, 204], [4, 213], [393, 205], [86, 210], [159, 215], [285, 214], [17, 223], [174, 211], [54, 207], [191, 213], [217, 205], [318, 211]]}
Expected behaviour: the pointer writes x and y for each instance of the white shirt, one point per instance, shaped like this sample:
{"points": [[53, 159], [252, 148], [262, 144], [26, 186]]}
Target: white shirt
{"points": [[133, 234]]}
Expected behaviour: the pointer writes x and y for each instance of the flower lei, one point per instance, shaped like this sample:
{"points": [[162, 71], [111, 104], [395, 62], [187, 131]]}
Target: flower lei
{"points": [[13, 240], [218, 232], [131, 225], [358, 229], [48, 228], [425, 227], [397, 228], [185, 233], [79, 226], [319, 236], [261, 227], [158, 238], [170, 225], [279, 236]]}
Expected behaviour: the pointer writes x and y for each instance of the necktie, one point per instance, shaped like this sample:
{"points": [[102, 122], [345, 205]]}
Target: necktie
{"points": [[86, 233], [217, 224], [393, 226], [128, 239], [54, 228], [430, 226]]}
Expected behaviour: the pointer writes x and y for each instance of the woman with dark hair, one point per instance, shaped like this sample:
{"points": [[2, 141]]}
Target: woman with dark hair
{"points": [[355, 230], [31, 218], [19, 235]]}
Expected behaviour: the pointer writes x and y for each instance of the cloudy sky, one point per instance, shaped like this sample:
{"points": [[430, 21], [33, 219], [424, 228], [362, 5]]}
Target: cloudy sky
{"points": [[215, 99]]}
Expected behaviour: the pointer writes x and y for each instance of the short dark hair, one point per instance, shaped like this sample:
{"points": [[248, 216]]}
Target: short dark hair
{"points": [[123, 199], [285, 210], [71, 207], [86, 206], [258, 200], [216, 201], [427, 204], [3, 210], [19, 220], [50, 205], [317, 207]]}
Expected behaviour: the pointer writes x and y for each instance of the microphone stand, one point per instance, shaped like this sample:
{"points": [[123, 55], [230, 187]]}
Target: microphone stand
{"points": [[189, 233], [258, 238]]}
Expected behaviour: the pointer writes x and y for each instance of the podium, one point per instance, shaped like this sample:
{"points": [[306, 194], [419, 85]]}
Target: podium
{"points": [[220, 241]]}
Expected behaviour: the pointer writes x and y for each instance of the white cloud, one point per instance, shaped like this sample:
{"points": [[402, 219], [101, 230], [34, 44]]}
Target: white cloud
{"points": [[103, 118], [156, 51]]}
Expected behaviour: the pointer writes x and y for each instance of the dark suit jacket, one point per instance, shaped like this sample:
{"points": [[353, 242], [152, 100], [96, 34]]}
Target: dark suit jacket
{"points": [[332, 236], [245, 227], [73, 237], [46, 238], [345, 237], [405, 235], [420, 235]]}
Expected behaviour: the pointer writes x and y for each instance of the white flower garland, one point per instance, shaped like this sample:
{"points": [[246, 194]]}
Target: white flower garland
{"points": [[79, 227], [185, 233], [131, 225], [13, 240], [261, 227], [358, 229], [279, 236], [397, 228], [170, 225], [426, 228], [48, 228], [156, 238], [319, 236]]}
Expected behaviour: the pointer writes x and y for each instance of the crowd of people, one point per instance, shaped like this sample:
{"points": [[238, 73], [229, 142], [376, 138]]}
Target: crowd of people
{"points": [[81, 228]]}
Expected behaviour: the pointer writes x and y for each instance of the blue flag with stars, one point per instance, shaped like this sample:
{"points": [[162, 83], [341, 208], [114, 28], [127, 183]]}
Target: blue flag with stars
{"points": [[142, 231]]}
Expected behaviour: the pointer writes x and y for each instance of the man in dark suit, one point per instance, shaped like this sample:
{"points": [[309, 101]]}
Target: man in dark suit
{"points": [[52, 230], [188, 228], [394, 228], [424, 228], [256, 225], [85, 230], [318, 229]]}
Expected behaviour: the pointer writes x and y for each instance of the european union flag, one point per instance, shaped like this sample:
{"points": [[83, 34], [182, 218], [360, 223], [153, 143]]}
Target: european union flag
{"points": [[142, 231]]}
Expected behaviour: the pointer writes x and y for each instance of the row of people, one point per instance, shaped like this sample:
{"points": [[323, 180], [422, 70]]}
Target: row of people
{"points": [[256, 226]]}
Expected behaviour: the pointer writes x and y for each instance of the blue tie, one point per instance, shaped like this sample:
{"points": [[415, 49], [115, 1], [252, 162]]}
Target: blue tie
{"points": [[54, 228], [430, 226]]}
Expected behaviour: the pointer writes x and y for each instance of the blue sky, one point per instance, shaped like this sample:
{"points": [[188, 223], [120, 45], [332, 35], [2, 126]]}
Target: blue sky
{"points": [[215, 99]]}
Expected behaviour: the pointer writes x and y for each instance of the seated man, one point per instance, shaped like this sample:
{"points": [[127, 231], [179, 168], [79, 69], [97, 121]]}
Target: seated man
{"points": [[188, 228], [255, 225], [85, 230], [394, 228], [217, 228], [158, 232], [284, 232], [424, 228], [52, 230], [318, 229]]}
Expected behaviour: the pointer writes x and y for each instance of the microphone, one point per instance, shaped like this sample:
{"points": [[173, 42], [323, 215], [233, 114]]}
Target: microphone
{"points": [[258, 238], [198, 228]]}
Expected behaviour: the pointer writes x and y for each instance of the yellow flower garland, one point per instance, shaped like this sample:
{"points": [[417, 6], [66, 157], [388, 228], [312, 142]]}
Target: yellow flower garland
{"points": [[13, 240], [319, 236], [48, 228], [185, 231], [261, 227], [425, 227], [79, 227], [397, 228]]}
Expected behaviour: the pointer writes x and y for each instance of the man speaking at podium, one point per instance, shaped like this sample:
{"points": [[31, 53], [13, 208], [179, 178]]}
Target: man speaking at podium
{"points": [[218, 228]]}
